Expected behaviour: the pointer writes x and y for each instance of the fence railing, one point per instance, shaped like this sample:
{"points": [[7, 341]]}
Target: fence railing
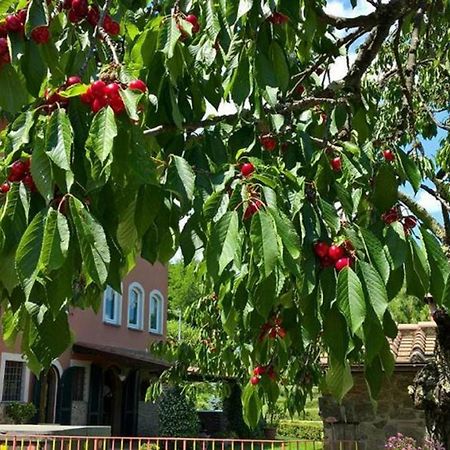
{"points": [[42, 442]]}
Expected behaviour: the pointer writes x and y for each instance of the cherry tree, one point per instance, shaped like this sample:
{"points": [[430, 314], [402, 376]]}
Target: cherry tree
{"points": [[219, 127]]}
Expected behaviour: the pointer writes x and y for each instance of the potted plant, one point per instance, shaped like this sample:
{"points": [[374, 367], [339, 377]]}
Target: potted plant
{"points": [[272, 420]]}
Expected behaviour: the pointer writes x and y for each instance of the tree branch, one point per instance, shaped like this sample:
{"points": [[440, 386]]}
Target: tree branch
{"points": [[423, 215], [437, 196], [283, 108], [431, 115]]}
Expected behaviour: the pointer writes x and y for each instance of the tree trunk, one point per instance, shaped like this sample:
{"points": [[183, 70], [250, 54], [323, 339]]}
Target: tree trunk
{"points": [[431, 388], [43, 398]]}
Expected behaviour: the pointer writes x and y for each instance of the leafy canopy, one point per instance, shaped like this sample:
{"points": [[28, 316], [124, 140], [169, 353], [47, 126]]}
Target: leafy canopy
{"points": [[130, 171]]}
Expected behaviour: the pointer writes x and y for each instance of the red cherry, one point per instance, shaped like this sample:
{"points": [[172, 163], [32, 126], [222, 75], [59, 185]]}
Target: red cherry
{"points": [[138, 85], [341, 263], [13, 23], [74, 79], [193, 20], [80, 7], [336, 252], [117, 105], [87, 96], [410, 222], [111, 90], [300, 89], [29, 183], [336, 164], [272, 374], [113, 28], [247, 169], [67, 4], [22, 16], [18, 168], [93, 15], [259, 370], [326, 261], [278, 18], [321, 249], [254, 380], [5, 187], [98, 88], [390, 217], [73, 16], [281, 332], [3, 45], [98, 104], [27, 163], [40, 35], [252, 208], [388, 155], [268, 142]]}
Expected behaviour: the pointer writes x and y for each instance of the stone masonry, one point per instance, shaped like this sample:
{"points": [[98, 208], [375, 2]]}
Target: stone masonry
{"points": [[356, 419]]}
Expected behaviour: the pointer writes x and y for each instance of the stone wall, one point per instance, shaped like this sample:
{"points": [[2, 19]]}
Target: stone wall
{"points": [[357, 420], [79, 413]]}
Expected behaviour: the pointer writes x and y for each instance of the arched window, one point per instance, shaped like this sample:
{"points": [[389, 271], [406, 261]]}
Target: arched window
{"points": [[112, 306], [135, 306], [156, 312]]}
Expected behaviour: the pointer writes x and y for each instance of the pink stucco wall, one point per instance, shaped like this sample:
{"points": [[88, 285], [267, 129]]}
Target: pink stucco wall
{"points": [[88, 327]]}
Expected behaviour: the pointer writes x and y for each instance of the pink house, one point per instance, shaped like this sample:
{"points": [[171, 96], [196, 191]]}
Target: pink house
{"points": [[102, 379]]}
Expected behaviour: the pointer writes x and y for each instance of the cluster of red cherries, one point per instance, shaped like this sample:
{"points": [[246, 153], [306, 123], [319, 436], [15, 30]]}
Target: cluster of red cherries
{"points": [[260, 371], [19, 172], [79, 10], [55, 99], [395, 215], [272, 329], [268, 142], [99, 94], [337, 256]]}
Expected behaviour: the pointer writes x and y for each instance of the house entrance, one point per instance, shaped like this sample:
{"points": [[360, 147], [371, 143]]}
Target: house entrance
{"points": [[112, 400]]}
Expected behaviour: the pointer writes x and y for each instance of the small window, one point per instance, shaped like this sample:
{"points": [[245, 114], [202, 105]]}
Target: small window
{"points": [[135, 305], [78, 383], [13, 381], [112, 306], [156, 312]]}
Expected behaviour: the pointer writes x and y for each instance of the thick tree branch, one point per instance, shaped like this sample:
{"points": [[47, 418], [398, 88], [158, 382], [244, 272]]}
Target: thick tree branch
{"points": [[423, 215], [437, 196]]}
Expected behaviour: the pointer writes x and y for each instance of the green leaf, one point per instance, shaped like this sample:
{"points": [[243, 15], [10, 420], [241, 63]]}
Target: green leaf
{"points": [[385, 192], [252, 405], [396, 244], [19, 133], [329, 215], [102, 133], [338, 118], [181, 178], [212, 20], [28, 253], [338, 378], [280, 65], [5, 5], [172, 35], [411, 170], [375, 253], [264, 240], [375, 288], [335, 334], [244, 7], [37, 15], [59, 139], [55, 243], [287, 232], [92, 240], [350, 299], [417, 271], [223, 243], [131, 100], [41, 171], [13, 93]]}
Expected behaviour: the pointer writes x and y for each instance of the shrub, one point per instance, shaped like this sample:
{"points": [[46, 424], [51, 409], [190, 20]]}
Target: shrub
{"points": [[20, 412], [177, 415], [401, 442], [301, 429]]}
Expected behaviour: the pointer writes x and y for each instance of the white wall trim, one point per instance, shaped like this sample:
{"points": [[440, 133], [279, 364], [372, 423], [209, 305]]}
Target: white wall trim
{"points": [[5, 356], [160, 312], [87, 373], [140, 324], [59, 367]]}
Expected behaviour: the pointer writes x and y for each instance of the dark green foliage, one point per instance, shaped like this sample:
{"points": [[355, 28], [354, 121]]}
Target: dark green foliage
{"points": [[20, 412], [177, 415]]}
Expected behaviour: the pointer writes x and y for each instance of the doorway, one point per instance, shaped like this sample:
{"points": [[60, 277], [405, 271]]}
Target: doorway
{"points": [[112, 400]]}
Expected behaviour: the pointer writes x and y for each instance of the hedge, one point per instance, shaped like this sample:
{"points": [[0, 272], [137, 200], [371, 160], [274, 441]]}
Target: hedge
{"points": [[301, 429]]}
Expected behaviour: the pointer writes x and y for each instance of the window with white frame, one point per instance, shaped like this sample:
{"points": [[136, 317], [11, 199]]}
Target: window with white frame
{"points": [[14, 378], [112, 306], [156, 312], [135, 306]]}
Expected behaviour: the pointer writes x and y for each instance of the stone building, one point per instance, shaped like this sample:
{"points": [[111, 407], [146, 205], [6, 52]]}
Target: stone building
{"points": [[357, 420]]}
